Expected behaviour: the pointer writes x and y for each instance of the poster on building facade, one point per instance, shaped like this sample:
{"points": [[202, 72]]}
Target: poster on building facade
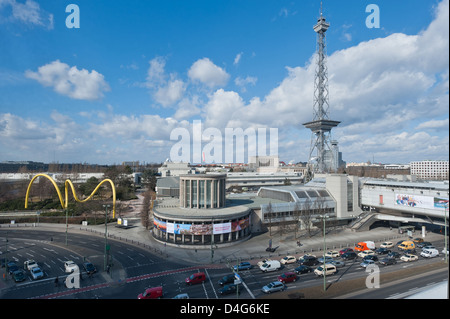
{"points": [[421, 201]]}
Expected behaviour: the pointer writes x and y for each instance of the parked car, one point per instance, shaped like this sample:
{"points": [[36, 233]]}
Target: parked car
{"points": [[345, 250], [287, 277], [382, 251], [393, 254], [388, 261], [308, 260], [409, 257], [303, 269], [181, 296], [349, 255], [229, 289], [387, 244], [12, 267], [329, 270], [332, 254], [36, 273], [70, 266], [196, 278], [19, 275], [29, 264], [288, 260], [365, 253], [151, 293], [273, 287], [418, 240], [245, 265], [428, 247], [366, 262]]}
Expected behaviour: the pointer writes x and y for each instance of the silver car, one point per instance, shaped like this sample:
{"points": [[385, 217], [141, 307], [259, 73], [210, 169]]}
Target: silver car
{"points": [[36, 273], [273, 287]]}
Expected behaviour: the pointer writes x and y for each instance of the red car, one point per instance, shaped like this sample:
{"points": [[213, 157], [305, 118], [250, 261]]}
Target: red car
{"points": [[196, 278], [151, 293], [287, 277], [345, 250]]}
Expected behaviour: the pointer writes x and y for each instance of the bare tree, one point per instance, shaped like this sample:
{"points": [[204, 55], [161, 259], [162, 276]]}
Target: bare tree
{"points": [[145, 210], [269, 212], [306, 215], [296, 216]]}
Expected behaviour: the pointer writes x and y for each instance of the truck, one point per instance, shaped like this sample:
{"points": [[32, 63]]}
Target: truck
{"points": [[270, 265], [365, 245]]}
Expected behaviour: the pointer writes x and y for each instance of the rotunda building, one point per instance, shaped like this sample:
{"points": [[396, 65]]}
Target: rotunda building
{"points": [[202, 215]]}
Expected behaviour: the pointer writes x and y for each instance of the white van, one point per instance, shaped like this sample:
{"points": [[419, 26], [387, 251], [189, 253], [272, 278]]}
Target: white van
{"points": [[429, 253], [329, 270], [270, 265]]}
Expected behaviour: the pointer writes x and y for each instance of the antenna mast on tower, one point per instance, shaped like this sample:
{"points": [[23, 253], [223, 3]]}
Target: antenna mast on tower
{"points": [[321, 125]]}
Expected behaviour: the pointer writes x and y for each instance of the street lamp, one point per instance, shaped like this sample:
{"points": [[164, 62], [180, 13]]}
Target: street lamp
{"points": [[67, 223], [106, 238], [445, 233], [324, 217]]}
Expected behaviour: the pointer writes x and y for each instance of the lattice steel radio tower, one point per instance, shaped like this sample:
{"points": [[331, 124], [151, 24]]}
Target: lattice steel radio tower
{"points": [[324, 160]]}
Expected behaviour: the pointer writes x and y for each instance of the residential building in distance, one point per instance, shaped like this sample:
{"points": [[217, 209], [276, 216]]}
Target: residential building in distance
{"points": [[430, 170]]}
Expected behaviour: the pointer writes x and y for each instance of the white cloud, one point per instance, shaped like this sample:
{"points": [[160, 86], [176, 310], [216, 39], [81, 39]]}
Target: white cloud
{"points": [[156, 73], [28, 13], [243, 82], [170, 93], [434, 125], [165, 92], [238, 58], [70, 81], [221, 108], [206, 72]]}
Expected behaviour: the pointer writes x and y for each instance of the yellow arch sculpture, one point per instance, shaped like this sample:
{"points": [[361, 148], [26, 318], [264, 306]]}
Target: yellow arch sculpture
{"points": [[64, 203]]}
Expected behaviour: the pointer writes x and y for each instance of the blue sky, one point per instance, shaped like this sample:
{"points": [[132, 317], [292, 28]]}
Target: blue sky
{"points": [[114, 89]]}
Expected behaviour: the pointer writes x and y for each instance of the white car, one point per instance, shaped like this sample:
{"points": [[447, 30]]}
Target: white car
{"points": [[30, 264], [70, 266], [262, 262], [288, 260], [365, 253], [387, 244], [367, 262], [332, 254], [36, 273], [409, 257]]}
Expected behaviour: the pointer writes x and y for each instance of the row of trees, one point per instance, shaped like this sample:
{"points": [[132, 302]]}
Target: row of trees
{"points": [[302, 217]]}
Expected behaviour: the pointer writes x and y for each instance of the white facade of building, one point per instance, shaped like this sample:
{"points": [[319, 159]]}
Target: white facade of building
{"points": [[170, 168], [430, 170]]}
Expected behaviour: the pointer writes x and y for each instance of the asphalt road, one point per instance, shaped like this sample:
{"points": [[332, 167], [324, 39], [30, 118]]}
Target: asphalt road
{"points": [[135, 269]]}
